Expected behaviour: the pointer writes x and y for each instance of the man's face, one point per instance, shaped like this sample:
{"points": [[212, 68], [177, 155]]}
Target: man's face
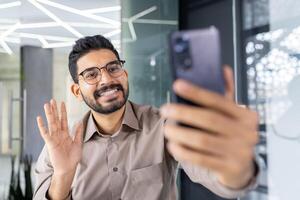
{"points": [[110, 93]]}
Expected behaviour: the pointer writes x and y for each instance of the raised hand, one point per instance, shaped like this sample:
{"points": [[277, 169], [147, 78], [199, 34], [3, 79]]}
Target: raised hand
{"points": [[64, 151]]}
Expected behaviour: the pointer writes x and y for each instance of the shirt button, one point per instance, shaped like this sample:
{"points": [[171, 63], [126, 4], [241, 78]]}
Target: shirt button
{"points": [[115, 169]]}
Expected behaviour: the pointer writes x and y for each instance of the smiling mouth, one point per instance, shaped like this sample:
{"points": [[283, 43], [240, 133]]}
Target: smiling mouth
{"points": [[108, 92]]}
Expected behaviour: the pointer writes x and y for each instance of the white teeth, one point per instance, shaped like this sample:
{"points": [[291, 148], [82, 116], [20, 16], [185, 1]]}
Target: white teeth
{"points": [[109, 92]]}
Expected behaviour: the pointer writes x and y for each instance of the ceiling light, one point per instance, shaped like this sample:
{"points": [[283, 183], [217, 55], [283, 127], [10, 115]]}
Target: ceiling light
{"points": [[132, 31], [8, 21], [112, 33], [154, 21], [60, 44], [55, 24], [43, 41], [9, 31], [5, 34], [37, 36], [47, 37], [143, 13], [80, 12], [6, 47], [135, 17], [55, 18], [11, 4]]}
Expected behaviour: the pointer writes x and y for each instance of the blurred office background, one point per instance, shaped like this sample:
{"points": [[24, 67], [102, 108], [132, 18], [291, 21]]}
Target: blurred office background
{"points": [[260, 40]]}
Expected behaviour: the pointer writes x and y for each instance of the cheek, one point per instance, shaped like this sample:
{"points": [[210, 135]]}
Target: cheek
{"points": [[87, 89], [124, 82]]}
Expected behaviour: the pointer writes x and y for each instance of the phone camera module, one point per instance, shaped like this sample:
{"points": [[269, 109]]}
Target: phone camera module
{"points": [[182, 51]]}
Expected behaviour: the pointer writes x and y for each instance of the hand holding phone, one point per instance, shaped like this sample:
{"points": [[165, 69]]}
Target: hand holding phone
{"points": [[217, 134]]}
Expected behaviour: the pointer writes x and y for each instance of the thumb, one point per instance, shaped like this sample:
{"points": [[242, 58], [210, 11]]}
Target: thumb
{"points": [[79, 133]]}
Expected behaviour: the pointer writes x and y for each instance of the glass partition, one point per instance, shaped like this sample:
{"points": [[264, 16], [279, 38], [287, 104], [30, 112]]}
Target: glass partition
{"points": [[145, 29], [271, 60]]}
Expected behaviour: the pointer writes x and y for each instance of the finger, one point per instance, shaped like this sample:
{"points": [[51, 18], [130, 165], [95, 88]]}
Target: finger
{"points": [[64, 118], [202, 118], [43, 130], [229, 83], [197, 140], [50, 119], [201, 159], [55, 112], [208, 99], [79, 133]]}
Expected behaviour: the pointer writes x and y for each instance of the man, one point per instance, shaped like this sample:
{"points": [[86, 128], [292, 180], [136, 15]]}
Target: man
{"points": [[121, 150]]}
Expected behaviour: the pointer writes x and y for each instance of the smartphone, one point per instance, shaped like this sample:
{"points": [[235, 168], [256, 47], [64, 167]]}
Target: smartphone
{"points": [[195, 55]]}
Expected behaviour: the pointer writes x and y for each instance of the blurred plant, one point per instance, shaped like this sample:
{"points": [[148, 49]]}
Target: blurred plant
{"points": [[15, 191], [27, 173]]}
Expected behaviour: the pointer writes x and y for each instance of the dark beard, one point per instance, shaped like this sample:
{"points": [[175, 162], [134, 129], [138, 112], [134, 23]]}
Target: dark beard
{"points": [[114, 106]]}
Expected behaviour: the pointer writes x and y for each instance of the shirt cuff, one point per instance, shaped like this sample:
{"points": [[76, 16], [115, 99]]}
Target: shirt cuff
{"points": [[69, 197], [233, 193]]}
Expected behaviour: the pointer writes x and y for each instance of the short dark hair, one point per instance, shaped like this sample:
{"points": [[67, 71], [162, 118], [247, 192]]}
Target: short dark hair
{"points": [[84, 46]]}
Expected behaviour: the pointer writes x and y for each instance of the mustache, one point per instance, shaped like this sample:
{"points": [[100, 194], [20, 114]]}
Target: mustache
{"points": [[103, 89]]}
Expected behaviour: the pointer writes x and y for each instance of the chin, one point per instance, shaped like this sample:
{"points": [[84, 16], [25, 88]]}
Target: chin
{"points": [[110, 106]]}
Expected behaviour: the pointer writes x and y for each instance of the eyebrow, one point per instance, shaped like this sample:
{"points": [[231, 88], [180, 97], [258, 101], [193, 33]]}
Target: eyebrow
{"points": [[90, 68]]}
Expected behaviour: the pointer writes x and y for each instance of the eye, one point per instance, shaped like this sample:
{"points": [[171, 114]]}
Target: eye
{"points": [[91, 74], [113, 68]]}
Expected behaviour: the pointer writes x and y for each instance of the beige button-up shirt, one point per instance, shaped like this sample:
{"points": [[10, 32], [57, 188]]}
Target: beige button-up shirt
{"points": [[132, 164]]}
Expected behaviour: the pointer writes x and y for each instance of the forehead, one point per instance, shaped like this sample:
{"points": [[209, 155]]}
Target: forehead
{"points": [[95, 58]]}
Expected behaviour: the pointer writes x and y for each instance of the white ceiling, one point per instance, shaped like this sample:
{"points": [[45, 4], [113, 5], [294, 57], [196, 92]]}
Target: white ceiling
{"points": [[56, 23]]}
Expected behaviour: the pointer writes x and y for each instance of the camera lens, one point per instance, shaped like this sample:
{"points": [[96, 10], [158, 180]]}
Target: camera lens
{"points": [[181, 45]]}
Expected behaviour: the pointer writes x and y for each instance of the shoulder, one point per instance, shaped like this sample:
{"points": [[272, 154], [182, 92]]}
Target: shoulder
{"points": [[147, 115], [145, 111]]}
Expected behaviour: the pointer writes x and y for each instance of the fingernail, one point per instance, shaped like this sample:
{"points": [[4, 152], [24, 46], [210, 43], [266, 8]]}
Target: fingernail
{"points": [[180, 85]]}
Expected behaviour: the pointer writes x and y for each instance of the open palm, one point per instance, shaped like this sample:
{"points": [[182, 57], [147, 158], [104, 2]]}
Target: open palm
{"points": [[64, 151]]}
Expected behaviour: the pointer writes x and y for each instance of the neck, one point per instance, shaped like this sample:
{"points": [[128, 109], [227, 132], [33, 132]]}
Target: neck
{"points": [[109, 124]]}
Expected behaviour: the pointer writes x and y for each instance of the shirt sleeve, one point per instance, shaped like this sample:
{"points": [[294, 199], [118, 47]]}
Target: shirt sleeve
{"points": [[43, 173], [208, 179]]}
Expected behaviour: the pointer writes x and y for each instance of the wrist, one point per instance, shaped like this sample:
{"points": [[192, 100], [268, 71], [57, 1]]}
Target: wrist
{"points": [[60, 185], [64, 172], [240, 181]]}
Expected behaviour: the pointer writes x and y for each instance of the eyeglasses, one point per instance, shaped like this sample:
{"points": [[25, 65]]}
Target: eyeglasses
{"points": [[93, 75]]}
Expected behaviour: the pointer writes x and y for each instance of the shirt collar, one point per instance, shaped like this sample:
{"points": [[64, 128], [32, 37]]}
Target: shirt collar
{"points": [[129, 119]]}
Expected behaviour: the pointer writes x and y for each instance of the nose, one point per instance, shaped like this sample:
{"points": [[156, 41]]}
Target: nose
{"points": [[105, 77]]}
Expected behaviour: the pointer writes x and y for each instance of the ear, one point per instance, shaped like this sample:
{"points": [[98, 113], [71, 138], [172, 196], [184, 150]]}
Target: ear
{"points": [[126, 73], [75, 89]]}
